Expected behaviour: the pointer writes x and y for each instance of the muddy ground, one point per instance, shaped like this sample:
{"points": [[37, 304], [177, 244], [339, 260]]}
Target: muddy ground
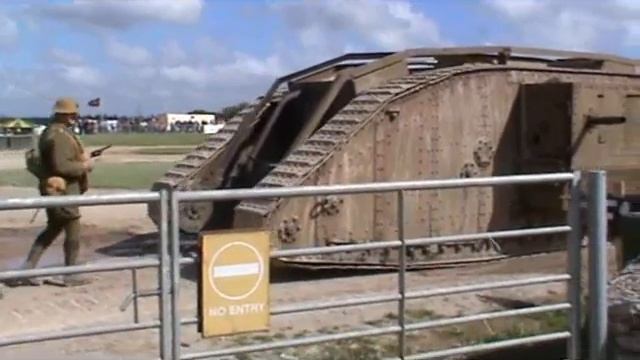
{"points": [[113, 233]]}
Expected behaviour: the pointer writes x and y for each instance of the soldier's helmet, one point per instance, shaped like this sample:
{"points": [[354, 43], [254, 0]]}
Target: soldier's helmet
{"points": [[65, 105], [55, 185]]}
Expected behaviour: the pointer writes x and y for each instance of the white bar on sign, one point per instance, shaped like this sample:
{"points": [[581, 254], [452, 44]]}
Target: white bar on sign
{"points": [[236, 270]]}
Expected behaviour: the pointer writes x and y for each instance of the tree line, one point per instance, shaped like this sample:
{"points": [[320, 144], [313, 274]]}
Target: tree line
{"points": [[227, 112]]}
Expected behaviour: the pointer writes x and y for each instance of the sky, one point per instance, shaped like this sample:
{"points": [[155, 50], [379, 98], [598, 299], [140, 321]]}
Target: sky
{"points": [[153, 56]]}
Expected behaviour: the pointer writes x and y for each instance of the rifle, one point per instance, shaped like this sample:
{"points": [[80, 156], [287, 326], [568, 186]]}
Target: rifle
{"points": [[98, 152], [94, 153], [33, 218]]}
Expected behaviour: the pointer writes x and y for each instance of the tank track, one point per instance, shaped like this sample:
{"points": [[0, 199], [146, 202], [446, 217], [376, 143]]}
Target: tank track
{"points": [[320, 147], [177, 177], [306, 159], [313, 152]]}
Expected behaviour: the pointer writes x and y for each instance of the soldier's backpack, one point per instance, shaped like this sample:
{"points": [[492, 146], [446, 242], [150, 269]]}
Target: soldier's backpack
{"points": [[33, 163]]}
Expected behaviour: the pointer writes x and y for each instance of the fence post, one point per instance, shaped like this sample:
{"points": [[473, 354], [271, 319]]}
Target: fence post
{"points": [[402, 259], [597, 265], [164, 278], [175, 276], [135, 292], [574, 266]]}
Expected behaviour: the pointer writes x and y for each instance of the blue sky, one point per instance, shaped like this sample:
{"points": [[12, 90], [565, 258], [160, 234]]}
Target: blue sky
{"points": [[150, 56]]}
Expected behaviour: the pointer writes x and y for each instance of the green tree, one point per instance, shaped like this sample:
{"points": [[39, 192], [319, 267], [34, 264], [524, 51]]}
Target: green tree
{"points": [[200, 111], [230, 111]]}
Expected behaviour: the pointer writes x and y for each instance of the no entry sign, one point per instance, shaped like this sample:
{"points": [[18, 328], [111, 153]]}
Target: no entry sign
{"points": [[234, 282]]}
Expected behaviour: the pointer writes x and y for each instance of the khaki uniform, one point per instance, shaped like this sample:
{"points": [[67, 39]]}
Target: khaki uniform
{"points": [[61, 154]]}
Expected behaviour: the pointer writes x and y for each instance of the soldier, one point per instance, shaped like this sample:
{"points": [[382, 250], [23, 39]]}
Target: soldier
{"points": [[65, 166]]}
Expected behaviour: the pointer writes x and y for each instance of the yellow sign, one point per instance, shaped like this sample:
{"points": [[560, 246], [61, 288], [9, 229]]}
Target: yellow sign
{"points": [[234, 282]]}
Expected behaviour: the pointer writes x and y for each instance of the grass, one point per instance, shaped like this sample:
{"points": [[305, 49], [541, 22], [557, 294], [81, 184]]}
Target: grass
{"points": [[374, 348], [170, 150], [531, 325], [144, 139], [384, 346], [134, 176], [355, 349], [509, 328]]}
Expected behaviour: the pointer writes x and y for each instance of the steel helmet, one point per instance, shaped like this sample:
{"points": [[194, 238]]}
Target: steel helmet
{"points": [[65, 105]]}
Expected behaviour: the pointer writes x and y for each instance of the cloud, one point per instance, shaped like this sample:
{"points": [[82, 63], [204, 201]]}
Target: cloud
{"points": [[8, 31], [65, 57], [195, 83], [628, 11], [380, 25], [190, 75], [119, 14], [127, 54], [82, 75], [628, 5], [172, 53], [519, 9], [209, 50], [31, 91], [633, 34], [572, 24], [241, 69]]}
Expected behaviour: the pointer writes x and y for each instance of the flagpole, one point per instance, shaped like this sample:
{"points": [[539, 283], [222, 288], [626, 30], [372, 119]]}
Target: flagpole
{"points": [[96, 103]]}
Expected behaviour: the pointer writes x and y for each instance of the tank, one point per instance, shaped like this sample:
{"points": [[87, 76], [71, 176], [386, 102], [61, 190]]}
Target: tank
{"points": [[412, 115]]}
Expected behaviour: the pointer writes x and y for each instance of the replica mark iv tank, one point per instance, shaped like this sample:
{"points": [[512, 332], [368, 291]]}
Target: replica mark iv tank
{"points": [[419, 114]]}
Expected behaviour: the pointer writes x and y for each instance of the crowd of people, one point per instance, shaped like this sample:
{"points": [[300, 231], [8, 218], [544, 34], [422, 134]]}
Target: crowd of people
{"points": [[138, 124]]}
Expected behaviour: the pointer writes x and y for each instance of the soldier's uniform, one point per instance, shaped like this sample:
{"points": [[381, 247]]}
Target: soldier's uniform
{"points": [[62, 157]]}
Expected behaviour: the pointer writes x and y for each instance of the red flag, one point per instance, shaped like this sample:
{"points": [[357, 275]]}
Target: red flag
{"points": [[94, 102]]}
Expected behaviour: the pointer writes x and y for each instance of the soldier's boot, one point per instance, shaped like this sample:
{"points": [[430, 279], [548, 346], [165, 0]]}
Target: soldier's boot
{"points": [[75, 280], [40, 245], [30, 263], [71, 251], [24, 281]]}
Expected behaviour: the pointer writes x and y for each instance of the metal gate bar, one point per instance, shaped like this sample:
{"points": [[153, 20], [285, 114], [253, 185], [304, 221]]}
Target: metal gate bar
{"points": [[402, 336], [574, 267], [597, 265], [75, 333]]}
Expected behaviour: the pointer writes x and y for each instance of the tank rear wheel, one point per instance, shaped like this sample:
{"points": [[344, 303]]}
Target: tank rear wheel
{"points": [[195, 215]]}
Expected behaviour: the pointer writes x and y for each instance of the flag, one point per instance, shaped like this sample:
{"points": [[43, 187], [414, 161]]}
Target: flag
{"points": [[94, 102]]}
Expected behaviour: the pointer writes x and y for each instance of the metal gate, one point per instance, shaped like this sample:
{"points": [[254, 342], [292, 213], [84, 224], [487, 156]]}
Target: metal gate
{"points": [[169, 261]]}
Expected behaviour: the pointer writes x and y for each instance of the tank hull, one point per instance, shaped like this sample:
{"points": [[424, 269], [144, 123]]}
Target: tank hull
{"points": [[468, 118], [456, 123]]}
